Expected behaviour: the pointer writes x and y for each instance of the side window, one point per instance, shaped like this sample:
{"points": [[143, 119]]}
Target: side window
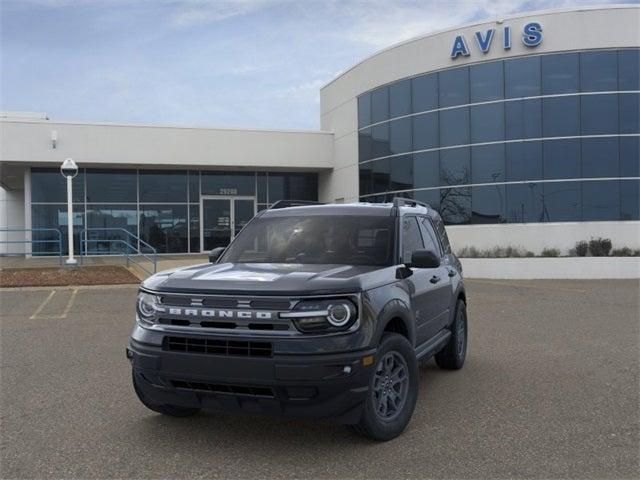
{"points": [[411, 238], [444, 240], [429, 236]]}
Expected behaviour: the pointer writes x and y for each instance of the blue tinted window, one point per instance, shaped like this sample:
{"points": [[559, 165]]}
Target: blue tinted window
{"points": [[364, 144], [487, 81], [487, 164], [488, 204], [53, 216], [425, 131], [562, 202], [560, 73], [455, 205], [112, 217], [431, 197], [487, 123], [380, 141], [454, 87], [524, 203], [599, 114], [364, 110], [455, 166], [426, 169], [163, 186], [629, 70], [380, 105], [48, 185], [630, 200], [165, 227], [561, 159], [630, 156], [601, 200], [401, 174], [400, 135], [380, 173], [424, 91], [600, 157], [400, 98], [598, 71], [523, 161], [523, 119], [629, 113], [522, 77], [194, 186], [366, 179], [117, 186], [454, 127], [561, 116]]}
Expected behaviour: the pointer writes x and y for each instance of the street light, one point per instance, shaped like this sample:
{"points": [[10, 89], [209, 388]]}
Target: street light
{"points": [[69, 169]]}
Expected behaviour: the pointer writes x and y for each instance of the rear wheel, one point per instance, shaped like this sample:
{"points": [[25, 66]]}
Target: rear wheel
{"points": [[452, 356], [171, 410]]}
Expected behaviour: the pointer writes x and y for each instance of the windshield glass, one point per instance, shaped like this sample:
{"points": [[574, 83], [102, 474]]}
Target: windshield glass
{"points": [[346, 240]]}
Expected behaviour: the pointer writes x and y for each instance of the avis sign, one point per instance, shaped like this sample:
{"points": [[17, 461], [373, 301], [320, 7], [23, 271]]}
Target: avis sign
{"points": [[531, 37]]}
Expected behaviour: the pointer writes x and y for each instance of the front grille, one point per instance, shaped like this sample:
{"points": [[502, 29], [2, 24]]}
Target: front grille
{"points": [[209, 346], [221, 388]]}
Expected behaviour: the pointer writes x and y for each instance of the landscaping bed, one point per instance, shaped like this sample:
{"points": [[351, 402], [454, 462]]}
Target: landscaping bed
{"points": [[58, 276]]}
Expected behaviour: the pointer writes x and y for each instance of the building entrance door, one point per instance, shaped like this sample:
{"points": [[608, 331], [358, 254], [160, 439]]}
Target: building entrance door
{"points": [[221, 218]]}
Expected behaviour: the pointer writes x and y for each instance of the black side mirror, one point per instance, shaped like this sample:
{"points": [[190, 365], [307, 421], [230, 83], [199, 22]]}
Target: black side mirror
{"points": [[215, 254], [425, 259]]}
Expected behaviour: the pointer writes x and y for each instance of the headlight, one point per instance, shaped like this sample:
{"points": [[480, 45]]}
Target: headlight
{"points": [[147, 307], [323, 316]]}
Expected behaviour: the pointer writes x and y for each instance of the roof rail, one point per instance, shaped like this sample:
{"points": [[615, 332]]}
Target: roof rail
{"points": [[407, 202], [293, 203]]}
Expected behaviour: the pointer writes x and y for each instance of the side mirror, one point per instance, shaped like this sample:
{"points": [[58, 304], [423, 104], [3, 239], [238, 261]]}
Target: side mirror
{"points": [[215, 254], [425, 259]]}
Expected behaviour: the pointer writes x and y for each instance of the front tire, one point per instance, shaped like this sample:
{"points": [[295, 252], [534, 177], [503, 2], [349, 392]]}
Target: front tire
{"points": [[454, 353], [393, 390], [170, 410]]}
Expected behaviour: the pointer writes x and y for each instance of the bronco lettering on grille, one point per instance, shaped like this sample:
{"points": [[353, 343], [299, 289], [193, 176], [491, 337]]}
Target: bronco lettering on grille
{"points": [[215, 313]]}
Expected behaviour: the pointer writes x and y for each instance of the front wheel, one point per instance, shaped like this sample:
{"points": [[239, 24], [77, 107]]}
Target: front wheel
{"points": [[170, 410], [452, 356]]}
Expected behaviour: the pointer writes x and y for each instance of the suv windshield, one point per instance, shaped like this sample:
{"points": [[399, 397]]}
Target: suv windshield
{"points": [[346, 240]]}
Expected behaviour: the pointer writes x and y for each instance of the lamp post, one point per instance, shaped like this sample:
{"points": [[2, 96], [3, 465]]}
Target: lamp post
{"points": [[69, 169]]}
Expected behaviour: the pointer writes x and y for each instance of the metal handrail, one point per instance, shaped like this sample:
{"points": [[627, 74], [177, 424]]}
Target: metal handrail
{"points": [[152, 256], [32, 241]]}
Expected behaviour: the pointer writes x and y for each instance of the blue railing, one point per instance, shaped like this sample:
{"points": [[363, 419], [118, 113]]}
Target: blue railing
{"points": [[131, 246], [33, 241]]}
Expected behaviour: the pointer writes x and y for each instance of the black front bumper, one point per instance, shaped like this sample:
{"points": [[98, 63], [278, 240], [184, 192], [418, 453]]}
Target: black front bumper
{"points": [[324, 386]]}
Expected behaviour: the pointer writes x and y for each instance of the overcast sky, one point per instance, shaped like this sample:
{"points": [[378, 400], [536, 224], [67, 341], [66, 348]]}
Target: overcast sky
{"points": [[244, 63]]}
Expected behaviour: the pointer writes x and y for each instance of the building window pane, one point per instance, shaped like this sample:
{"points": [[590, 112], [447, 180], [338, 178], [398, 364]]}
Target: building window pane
{"points": [[599, 71], [523, 119], [400, 98], [600, 157], [524, 203], [163, 186], [601, 200], [401, 173], [630, 156], [364, 110], [366, 179], [400, 135], [53, 216], [228, 183], [561, 116], [381, 169], [114, 219], [49, 186], [380, 141], [455, 205], [629, 113], [194, 186], [380, 105], [365, 144], [165, 227], [112, 186], [425, 131], [194, 227], [430, 197], [561, 159], [560, 73], [293, 186], [487, 164], [455, 166], [424, 92], [488, 204], [523, 161], [487, 81], [629, 70], [630, 199], [522, 77], [454, 87], [426, 169], [487, 123], [562, 202], [454, 127], [599, 114], [261, 185]]}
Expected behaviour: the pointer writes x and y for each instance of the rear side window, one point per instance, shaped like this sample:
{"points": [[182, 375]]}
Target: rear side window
{"points": [[429, 236], [442, 233], [411, 238]]}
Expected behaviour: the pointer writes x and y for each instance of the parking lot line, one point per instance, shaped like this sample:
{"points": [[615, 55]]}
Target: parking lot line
{"points": [[38, 313], [42, 305]]}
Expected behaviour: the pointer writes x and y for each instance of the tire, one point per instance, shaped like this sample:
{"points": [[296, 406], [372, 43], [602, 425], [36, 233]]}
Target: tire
{"points": [[170, 410], [452, 356], [385, 414]]}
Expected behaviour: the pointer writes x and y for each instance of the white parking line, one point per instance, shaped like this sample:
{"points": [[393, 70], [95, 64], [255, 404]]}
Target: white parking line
{"points": [[37, 315], [42, 305]]}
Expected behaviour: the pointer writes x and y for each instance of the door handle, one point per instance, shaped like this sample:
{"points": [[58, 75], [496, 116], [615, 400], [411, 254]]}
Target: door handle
{"points": [[434, 279], [452, 273]]}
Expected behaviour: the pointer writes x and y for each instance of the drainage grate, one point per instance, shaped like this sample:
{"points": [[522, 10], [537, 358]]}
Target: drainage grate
{"points": [[218, 347], [220, 388]]}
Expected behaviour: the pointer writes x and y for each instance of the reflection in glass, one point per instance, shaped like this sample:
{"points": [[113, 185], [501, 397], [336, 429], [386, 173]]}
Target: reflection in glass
{"points": [[425, 131], [216, 223], [380, 141], [488, 204], [524, 203], [366, 179], [48, 185], [53, 216], [600, 157], [163, 186], [424, 92], [630, 156], [380, 105], [401, 173], [562, 202], [381, 170], [630, 200], [455, 205], [601, 200], [115, 219], [400, 135], [165, 227], [426, 169], [400, 98], [431, 197], [487, 164], [454, 127], [455, 166], [293, 186], [365, 145]]}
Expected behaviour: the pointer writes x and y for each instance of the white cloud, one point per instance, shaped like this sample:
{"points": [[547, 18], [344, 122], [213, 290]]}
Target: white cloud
{"points": [[190, 13]]}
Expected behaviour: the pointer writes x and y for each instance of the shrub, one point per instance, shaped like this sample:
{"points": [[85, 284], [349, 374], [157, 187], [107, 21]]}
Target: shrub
{"points": [[550, 252], [625, 252], [582, 248], [600, 247]]}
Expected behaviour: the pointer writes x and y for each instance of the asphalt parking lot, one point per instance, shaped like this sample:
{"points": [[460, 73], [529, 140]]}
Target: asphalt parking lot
{"points": [[550, 390]]}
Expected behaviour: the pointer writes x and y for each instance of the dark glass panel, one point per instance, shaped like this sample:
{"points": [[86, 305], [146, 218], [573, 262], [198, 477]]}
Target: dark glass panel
{"points": [[599, 114], [523, 119], [400, 135], [293, 186], [454, 127], [561, 116], [194, 186], [524, 203], [455, 166], [453, 87], [116, 219], [629, 70], [365, 144], [49, 186], [261, 185], [601, 200], [380, 173], [165, 227], [522, 77], [431, 197], [194, 227], [401, 173], [425, 131], [455, 205], [112, 186], [487, 123], [561, 159], [487, 164], [53, 216], [488, 204], [364, 110], [523, 161], [630, 199], [424, 92], [487, 81], [366, 178], [163, 186], [562, 202], [629, 113], [600, 157], [426, 169], [400, 98], [630, 156], [228, 183], [411, 238], [380, 141], [560, 73], [380, 105], [599, 71]]}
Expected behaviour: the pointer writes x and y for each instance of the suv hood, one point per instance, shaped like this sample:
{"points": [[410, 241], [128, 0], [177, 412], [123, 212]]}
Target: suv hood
{"points": [[270, 279]]}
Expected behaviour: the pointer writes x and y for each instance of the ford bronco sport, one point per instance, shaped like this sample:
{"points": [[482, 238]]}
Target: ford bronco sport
{"points": [[313, 310]]}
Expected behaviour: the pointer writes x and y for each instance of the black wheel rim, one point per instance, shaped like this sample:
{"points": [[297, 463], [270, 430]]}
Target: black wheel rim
{"points": [[461, 334], [390, 386]]}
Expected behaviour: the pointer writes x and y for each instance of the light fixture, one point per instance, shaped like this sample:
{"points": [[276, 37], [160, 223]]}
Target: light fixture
{"points": [[54, 138]]}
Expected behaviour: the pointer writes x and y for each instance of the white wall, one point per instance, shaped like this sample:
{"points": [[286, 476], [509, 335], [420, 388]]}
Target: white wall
{"points": [[11, 216]]}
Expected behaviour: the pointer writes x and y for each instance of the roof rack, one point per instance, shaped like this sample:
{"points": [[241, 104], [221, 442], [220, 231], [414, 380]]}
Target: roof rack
{"points": [[407, 202], [293, 203]]}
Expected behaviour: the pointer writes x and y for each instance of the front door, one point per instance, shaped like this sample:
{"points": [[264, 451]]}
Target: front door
{"points": [[221, 218]]}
